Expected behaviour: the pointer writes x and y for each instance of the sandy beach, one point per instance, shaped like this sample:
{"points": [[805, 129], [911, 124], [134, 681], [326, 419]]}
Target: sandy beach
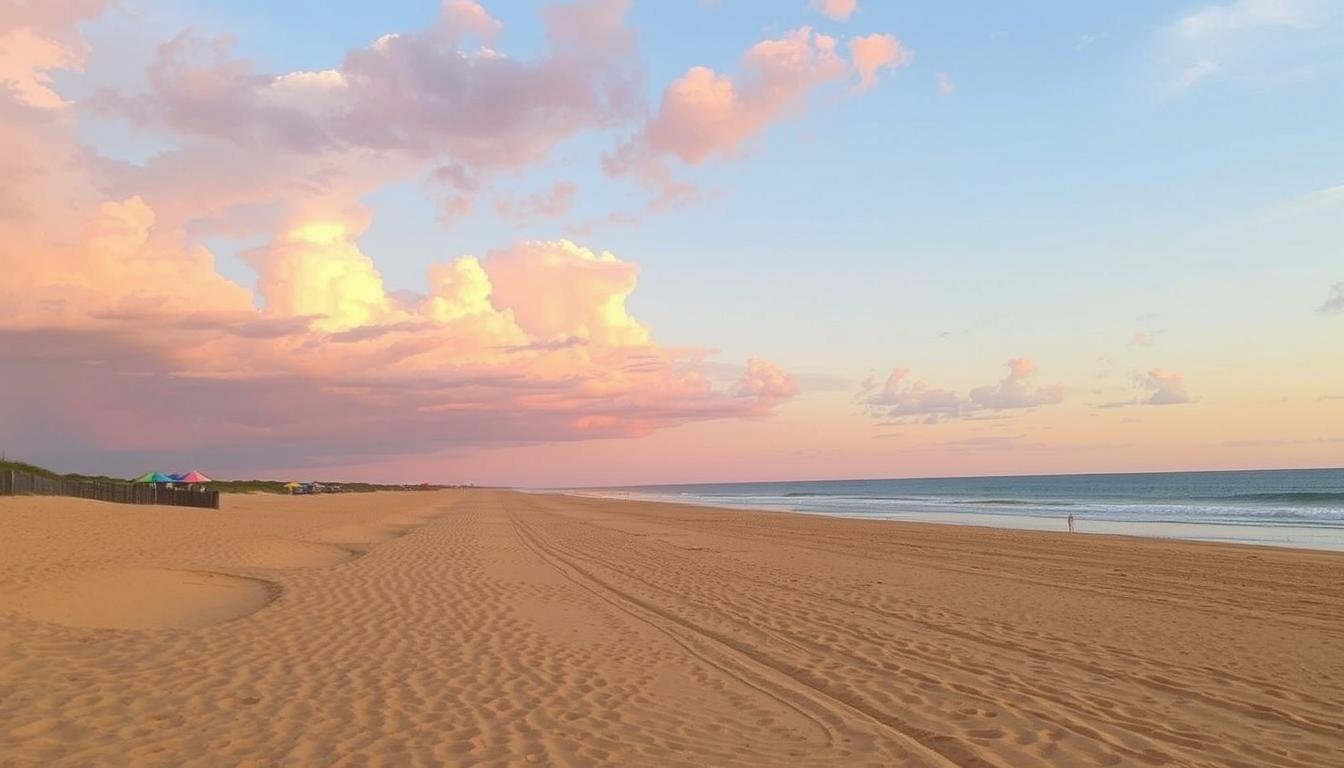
{"points": [[498, 628]]}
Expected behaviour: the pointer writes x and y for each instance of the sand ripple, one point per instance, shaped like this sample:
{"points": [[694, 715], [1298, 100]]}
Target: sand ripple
{"points": [[281, 554]]}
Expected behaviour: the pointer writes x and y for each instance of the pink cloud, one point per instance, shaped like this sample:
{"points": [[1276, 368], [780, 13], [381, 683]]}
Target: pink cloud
{"points": [[1165, 387], [874, 53], [901, 399], [327, 137], [526, 280], [1016, 390], [37, 39], [945, 85], [418, 91], [704, 112], [468, 16], [836, 10], [532, 343], [707, 114], [766, 383], [122, 317]]}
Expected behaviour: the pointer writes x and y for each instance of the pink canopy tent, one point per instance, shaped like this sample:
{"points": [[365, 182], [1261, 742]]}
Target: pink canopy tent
{"points": [[193, 477]]}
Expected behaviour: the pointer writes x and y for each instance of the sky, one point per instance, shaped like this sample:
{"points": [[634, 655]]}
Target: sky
{"points": [[605, 242]]}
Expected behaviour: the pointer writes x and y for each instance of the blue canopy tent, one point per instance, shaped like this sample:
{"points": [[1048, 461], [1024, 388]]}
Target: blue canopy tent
{"points": [[153, 477]]}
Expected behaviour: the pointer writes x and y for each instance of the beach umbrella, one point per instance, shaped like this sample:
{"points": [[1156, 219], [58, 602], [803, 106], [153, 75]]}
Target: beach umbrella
{"points": [[193, 477], [153, 477]]}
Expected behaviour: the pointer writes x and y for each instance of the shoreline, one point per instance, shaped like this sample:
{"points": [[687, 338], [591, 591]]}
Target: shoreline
{"points": [[1319, 538]]}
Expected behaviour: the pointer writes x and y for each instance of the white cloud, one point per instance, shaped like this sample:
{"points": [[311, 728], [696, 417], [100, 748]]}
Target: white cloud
{"points": [[1223, 38], [1016, 390], [1334, 302], [1194, 74], [902, 399], [1216, 22], [1166, 388]]}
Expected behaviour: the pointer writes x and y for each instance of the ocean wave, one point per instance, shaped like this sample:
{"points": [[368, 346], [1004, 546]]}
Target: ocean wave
{"points": [[1015, 503], [1316, 498]]}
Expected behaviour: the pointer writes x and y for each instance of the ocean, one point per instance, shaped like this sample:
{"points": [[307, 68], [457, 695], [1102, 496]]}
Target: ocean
{"points": [[1279, 507]]}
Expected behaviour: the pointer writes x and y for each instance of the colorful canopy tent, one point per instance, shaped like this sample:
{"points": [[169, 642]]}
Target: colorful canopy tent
{"points": [[193, 477], [153, 477], [176, 477]]}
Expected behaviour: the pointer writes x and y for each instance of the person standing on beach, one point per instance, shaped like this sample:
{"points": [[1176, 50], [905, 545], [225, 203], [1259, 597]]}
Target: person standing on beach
{"points": [[1070, 522]]}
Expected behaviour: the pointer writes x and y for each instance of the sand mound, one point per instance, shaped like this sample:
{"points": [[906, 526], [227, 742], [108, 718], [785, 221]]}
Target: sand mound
{"points": [[362, 534], [146, 598], [279, 554]]}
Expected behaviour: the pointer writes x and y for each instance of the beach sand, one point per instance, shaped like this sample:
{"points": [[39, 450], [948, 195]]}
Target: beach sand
{"points": [[496, 628]]}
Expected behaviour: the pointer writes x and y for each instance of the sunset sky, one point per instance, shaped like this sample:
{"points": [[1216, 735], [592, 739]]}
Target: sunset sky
{"points": [[604, 242]]}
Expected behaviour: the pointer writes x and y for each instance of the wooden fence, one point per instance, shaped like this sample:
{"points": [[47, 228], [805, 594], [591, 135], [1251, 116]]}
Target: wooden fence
{"points": [[14, 483]]}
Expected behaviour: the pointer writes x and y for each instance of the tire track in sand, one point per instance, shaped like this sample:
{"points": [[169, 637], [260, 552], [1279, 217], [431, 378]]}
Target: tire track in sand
{"points": [[758, 670]]}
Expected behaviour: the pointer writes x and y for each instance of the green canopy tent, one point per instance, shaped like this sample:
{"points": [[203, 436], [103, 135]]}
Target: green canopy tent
{"points": [[153, 477]]}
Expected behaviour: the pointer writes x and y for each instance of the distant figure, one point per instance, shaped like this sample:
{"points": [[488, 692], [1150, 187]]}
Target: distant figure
{"points": [[1070, 522]]}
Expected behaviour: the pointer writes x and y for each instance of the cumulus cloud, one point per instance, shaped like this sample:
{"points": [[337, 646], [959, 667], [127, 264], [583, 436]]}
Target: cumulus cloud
{"points": [[418, 91], [118, 262], [835, 10], [1164, 387], [901, 399], [1334, 301], [316, 269], [121, 316], [433, 103], [591, 304], [37, 39], [707, 114], [1155, 387], [532, 343], [874, 53], [704, 112], [766, 383], [1016, 390]]}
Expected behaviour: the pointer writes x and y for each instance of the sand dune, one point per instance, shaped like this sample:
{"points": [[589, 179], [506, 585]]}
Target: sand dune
{"points": [[494, 628]]}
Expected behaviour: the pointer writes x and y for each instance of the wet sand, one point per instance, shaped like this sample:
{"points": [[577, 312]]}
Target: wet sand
{"points": [[498, 628]]}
